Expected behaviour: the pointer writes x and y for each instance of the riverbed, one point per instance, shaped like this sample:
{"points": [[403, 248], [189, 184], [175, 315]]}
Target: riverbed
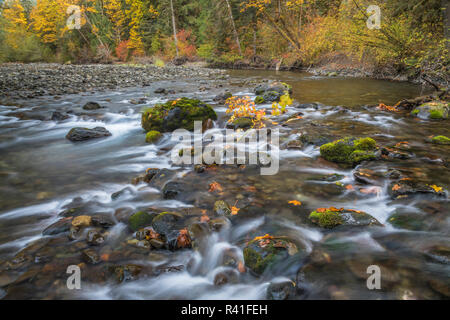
{"points": [[46, 178]]}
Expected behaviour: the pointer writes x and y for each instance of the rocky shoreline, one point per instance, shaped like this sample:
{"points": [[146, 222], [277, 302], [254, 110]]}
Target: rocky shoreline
{"points": [[42, 79]]}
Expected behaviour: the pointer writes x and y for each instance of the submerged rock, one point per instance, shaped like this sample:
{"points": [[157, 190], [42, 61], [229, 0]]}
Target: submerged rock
{"points": [[221, 208], [90, 256], [434, 110], [349, 150], [126, 272], [282, 290], [332, 217], [82, 134], [264, 252], [175, 114], [92, 106], [409, 187], [59, 226], [139, 220]]}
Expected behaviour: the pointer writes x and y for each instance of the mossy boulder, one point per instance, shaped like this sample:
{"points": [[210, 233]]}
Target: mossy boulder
{"points": [[263, 253], [176, 114], [434, 110], [349, 150], [241, 123], [259, 100], [152, 136], [272, 91], [440, 140], [139, 220], [331, 218], [167, 222]]}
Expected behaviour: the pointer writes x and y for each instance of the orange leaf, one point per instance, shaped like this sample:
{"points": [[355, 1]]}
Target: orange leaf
{"points": [[266, 236], [295, 202], [183, 239], [215, 186], [321, 210], [395, 187], [241, 267], [349, 187]]}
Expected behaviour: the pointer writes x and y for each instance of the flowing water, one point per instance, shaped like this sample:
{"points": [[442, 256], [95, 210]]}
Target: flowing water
{"points": [[44, 176]]}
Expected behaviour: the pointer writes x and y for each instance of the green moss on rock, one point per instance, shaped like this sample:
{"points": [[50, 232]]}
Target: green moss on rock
{"points": [[258, 258], [259, 100], [440, 140], [349, 150], [328, 219], [176, 114], [332, 217], [152, 136], [139, 220], [434, 110]]}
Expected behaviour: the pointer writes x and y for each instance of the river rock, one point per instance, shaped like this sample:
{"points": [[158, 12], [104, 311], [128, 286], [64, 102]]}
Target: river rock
{"points": [[222, 98], [331, 218], [165, 222], [410, 187], [221, 208], [90, 256], [59, 226], [175, 114], [349, 150], [263, 253], [434, 110], [94, 238], [281, 290], [82, 134], [92, 106], [140, 220], [272, 91]]}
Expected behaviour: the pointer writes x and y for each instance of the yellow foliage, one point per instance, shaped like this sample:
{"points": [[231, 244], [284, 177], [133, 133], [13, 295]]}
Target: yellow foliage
{"points": [[245, 107]]}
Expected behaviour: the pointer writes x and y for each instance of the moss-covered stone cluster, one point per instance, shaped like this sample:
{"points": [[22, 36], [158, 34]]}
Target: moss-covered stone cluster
{"points": [[440, 140], [259, 257], [175, 114], [434, 110], [349, 150], [152, 136], [332, 217]]}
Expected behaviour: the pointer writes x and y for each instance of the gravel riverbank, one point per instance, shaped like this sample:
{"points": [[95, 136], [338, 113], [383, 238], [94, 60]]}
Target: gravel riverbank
{"points": [[39, 79]]}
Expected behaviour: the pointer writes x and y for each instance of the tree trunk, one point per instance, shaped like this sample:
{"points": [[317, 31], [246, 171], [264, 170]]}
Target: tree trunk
{"points": [[234, 27], [174, 28]]}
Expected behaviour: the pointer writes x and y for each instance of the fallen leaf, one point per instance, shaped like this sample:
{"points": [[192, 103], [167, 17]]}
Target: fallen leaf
{"points": [[295, 202], [250, 188], [104, 257], [436, 188], [349, 187], [241, 267], [215, 186], [266, 236], [395, 187], [321, 210], [183, 239]]}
